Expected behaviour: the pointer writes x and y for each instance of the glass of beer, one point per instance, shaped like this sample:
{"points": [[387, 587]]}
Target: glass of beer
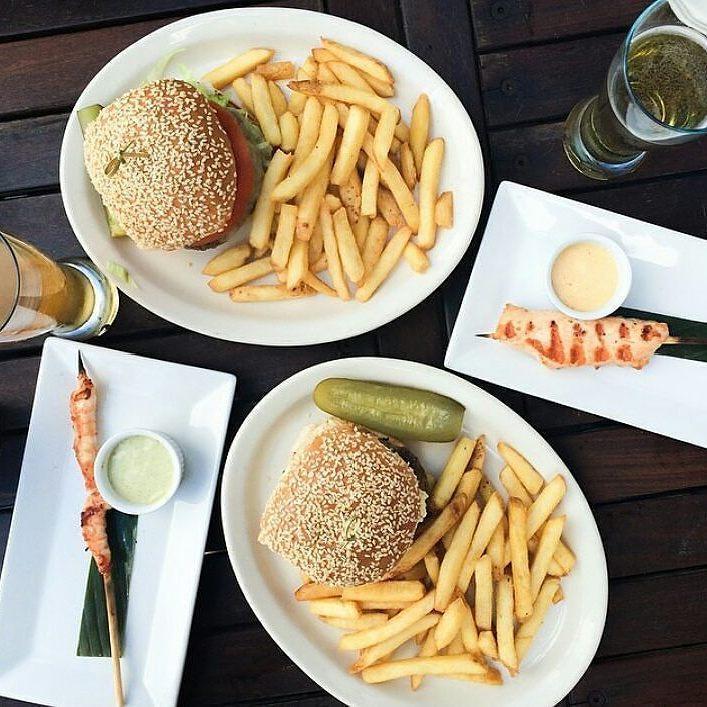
{"points": [[71, 298], [655, 94]]}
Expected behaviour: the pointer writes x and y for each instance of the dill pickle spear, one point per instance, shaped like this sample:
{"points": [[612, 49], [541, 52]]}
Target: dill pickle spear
{"points": [[407, 413]]}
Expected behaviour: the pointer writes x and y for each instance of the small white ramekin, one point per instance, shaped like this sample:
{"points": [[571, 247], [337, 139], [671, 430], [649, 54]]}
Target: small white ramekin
{"points": [[623, 265], [103, 482]]}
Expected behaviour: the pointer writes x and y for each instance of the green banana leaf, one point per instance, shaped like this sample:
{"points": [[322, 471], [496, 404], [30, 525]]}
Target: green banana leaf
{"points": [[94, 640], [677, 327]]}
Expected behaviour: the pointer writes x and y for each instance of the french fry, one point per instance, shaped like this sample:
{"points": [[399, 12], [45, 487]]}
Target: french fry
{"points": [[436, 665], [429, 648], [388, 258], [375, 242], [311, 280], [360, 231], [564, 557], [289, 131], [368, 620], [490, 677], [402, 133], [322, 55], [346, 74], [429, 187], [298, 100], [431, 535], [351, 142], [380, 650], [319, 265], [311, 118], [341, 92], [307, 170], [517, 520], [469, 482], [549, 539], [527, 630], [383, 137], [336, 608], [407, 617], [454, 558], [332, 254], [348, 250], [558, 596], [495, 550], [350, 193], [545, 504], [298, 264], [389, 209], [401, 590], [419, 130], [276, 70], [237, 67], [227, 260], [267, 293], [391, 177], [264, 207], [522, 468], [244, 92], [486, 489], [333, 202], [382, 88], [417, 572], [452, 473], [369, 189], [312, 590], [407, 166], [483, 598], [277, 98], [450, 624], [444, 210], [309, 67], [513, 486], [432, 566], [264, 111], [358, 59], [504, 624], [487, 644], [469, 633], [310, 200], [490, 518], [239, 276], [382, 605], [316, 246], [284, 237], [416, 257], [325, 74]]}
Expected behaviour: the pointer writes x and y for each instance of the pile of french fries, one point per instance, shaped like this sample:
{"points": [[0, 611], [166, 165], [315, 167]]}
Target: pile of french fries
{"points": [[339, 194], [475, 585]]}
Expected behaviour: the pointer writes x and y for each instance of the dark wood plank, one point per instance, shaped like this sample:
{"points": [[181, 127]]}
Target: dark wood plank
{"points": [[45, 16], [655, 534], [534, 155], [48, 73], [621, 462], [652, 613], [506, 22], [541, 83], [381, 15], [675, 677]]}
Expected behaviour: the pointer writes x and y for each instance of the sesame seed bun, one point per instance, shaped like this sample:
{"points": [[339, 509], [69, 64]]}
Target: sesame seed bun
{"points": [[346, 508], [179, 185]]}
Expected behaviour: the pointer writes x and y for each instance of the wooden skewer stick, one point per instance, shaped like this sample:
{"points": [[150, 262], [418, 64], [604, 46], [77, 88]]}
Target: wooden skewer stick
{"points": [[114, 634], [675, 340]]}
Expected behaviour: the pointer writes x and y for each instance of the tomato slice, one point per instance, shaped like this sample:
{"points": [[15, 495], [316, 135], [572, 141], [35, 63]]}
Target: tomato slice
{"points": [[245, 173]]}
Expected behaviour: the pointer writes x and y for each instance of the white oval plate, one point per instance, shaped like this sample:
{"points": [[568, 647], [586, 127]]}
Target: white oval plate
{"points": [[567, 641], [171, 284]]}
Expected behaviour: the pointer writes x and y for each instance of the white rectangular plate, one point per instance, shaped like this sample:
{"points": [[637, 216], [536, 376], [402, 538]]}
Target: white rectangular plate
{"points": [[45, 569], [526, 226]]}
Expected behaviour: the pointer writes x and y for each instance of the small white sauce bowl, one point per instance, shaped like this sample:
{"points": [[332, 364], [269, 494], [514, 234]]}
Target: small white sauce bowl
{"points": [[100, 471], [623, 285]]}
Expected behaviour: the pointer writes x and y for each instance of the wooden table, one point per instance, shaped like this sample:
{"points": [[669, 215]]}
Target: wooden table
{"points": [[518, 66]]}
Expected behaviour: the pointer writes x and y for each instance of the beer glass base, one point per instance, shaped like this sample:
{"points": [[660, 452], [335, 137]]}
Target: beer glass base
{"points": [[105, 302], [582, 159]]}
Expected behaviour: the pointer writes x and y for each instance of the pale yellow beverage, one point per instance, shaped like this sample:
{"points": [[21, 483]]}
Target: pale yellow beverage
{"points": [[585, 276]]}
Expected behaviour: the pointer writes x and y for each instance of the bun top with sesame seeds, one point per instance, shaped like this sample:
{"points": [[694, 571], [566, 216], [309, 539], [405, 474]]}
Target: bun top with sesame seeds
{"points": [[346, 508], [163, 165]]}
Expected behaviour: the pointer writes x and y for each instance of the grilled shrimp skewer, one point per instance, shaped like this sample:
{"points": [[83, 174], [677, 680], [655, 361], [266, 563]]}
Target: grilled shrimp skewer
{"points": [[93, 516], [558, 341]]}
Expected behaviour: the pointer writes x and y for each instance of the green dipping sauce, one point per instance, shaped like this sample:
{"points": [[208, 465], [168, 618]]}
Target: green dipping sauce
{"points": [[140, 470]]}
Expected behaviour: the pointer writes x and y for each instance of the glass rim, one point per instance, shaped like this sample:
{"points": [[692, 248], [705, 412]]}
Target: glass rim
{"points": [[625, 47], [16, 298]]}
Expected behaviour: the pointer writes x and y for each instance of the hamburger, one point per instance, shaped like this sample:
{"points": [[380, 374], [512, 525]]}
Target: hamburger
{"points": [[176, 166], [347, 506]]}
